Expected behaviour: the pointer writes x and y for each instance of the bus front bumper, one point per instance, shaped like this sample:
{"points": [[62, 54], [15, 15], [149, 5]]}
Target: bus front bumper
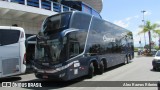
{"points": [[50, 74]]}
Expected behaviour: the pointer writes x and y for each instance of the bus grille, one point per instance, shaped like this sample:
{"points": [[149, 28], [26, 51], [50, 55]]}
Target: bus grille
{"points": [[10, 66]]}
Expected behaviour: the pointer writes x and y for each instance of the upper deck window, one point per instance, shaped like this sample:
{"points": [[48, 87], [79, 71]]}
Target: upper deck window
{"points": [[80, 21], [56, 22]]}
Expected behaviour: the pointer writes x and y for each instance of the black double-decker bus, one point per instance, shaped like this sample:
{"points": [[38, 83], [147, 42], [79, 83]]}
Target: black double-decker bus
{"points": [[74, 44]]}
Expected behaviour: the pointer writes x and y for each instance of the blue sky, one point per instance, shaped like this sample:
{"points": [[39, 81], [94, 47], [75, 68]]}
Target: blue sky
{"points": [[127, 13]]}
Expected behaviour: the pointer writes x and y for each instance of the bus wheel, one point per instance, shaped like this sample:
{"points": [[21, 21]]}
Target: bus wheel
{"points": [[154, 68], [101, 67], [130, 57], [126, 60], [91, 71]]}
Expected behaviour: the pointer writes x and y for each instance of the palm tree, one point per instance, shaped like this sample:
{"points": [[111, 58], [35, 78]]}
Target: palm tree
{"points": [[148, 27]]}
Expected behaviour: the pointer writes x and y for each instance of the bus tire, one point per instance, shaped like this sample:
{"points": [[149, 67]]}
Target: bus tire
{"points": [[91, 70], [101, 67], [154, 68], [130, 57], [126, 60]]}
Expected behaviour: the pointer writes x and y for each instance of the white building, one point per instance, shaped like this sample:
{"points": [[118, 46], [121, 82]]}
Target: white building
{"points": [[29, 14]]}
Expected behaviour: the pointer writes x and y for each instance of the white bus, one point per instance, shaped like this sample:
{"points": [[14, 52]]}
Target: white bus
{"points": [[12, 51]]}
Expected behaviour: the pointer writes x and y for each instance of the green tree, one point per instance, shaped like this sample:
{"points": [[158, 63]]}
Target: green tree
{"points": [[148, 27]]}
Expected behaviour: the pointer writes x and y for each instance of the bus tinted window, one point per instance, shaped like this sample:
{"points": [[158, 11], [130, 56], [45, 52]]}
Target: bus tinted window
{"points": [[105, 38], [80, 21], [74, 49], [9, 36], [57, 22], [77, 42]]}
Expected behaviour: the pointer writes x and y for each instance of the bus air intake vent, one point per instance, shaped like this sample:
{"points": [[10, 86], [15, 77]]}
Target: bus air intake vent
{"points": [[10, 66]]}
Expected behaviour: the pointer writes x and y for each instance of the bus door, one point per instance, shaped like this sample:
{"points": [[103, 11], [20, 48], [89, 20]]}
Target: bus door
{"points": [[9, 52], [78, 62]]}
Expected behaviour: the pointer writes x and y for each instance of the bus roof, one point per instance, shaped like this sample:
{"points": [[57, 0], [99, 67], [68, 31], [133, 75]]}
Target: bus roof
{"points": [[73, 12], [69, 12], [12, 28]]}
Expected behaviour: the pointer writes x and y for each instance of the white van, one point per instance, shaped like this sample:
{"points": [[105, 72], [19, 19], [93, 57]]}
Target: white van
{"points": [[12, 51]]}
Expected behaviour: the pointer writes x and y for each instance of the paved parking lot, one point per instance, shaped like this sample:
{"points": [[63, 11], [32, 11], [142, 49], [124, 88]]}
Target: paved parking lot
{"points": [[139, 69]]}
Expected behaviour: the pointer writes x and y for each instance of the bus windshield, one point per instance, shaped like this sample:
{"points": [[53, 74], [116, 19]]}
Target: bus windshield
{"points": [[57, 22], [158, 53], [49, 49]]}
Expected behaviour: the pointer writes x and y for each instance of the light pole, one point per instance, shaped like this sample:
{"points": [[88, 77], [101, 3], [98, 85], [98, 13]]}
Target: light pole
{"points": [[143, 11]]}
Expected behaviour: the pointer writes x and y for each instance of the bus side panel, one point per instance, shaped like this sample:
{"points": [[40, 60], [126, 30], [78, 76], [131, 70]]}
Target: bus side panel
{"points": [[22, 56], [79, 67], [108, 40]]}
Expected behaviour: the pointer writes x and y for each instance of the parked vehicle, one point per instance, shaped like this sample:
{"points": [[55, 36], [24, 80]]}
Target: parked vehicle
{"points": [[153, 51], [156, 61], [140, 51], [158, 85], [12, 51]]}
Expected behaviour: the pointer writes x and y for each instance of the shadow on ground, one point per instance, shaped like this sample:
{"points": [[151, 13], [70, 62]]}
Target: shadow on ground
{"points": [[79, 82], [10, 79], [158, 70]]}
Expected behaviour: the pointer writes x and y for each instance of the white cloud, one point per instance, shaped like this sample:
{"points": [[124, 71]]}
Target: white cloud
{"points": [[132, 17], [158, 22], [147, 13], [126, 21], [128, 18], [135, 32], [121, 23], [137, 37], [137, 16]]}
